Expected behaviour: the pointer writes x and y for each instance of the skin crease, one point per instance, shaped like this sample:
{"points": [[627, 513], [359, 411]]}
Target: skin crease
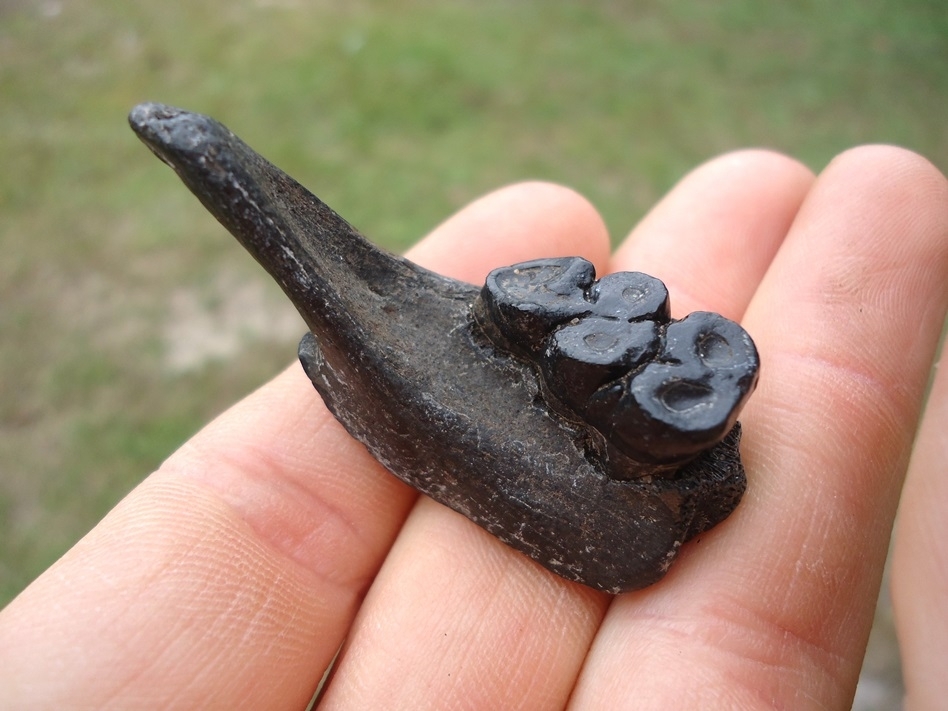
{"points": [[230, 577]]}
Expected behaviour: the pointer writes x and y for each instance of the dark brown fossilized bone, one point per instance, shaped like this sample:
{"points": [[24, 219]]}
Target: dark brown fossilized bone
{"points": [[570, 417]]}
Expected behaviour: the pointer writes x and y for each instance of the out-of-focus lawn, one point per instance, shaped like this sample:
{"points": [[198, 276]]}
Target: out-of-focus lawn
{"points": [[128, 317]]}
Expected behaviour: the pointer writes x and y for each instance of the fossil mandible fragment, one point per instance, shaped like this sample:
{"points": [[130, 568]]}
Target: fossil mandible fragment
{"points": [[570, 417]]}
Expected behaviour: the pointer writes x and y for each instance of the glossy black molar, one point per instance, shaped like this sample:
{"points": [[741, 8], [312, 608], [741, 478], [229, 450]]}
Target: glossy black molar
{"points": [[484, 399], [582, 356], [689, 399], [630, 296], [520, 305]]}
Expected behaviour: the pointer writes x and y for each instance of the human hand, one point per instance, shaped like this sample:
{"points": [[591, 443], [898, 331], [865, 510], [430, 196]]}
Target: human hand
{"points": [[230, 577]]}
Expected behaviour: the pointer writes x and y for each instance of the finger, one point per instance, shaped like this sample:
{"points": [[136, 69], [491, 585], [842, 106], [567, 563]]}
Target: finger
{"points": [[229, 577], [774, 607], [712, 238], [456, 618], [920, 558], [528, 221]]}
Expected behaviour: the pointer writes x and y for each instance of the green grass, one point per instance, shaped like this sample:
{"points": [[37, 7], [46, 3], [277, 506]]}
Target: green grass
{"points": [[395, 113]]}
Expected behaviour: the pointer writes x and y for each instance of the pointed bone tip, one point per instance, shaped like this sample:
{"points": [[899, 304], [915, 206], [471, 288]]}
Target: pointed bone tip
{"points": [[170, 131], [146, 118]]}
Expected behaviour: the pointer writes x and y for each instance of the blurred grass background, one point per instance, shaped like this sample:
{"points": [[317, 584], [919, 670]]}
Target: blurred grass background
{"points": [[129, 318]]}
